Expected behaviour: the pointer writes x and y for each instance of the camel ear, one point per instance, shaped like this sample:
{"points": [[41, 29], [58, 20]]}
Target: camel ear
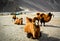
{"points": [[28, 19]]}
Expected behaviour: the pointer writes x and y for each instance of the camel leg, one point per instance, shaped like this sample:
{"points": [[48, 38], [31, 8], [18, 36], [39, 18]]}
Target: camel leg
{"points": [[40, 34], [41, 23], [29, 35], [44, 23]]}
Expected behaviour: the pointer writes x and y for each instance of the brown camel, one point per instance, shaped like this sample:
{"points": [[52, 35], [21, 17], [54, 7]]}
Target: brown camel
{"points": [[45, 18], [18, 21], [32, 28]]}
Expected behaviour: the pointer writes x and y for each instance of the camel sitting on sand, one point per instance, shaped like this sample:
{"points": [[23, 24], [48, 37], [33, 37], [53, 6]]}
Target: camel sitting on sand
{"points": [[32, 28], [18, 21]]}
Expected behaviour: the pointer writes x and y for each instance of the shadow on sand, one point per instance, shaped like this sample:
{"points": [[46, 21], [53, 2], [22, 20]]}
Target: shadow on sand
{"points": [[45, 37], [52, 26]]}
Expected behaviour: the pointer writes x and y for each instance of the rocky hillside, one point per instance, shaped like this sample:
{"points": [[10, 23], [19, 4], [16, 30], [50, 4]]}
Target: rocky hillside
{"points": [[34, 5], [9, 6]]}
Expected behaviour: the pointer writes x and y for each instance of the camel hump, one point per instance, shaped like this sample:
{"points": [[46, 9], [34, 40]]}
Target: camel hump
{"points": [[42, 14]]}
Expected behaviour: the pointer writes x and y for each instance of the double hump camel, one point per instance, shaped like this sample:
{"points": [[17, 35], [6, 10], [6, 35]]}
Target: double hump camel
{"points": [[17, 20], [32, 28], [44, 17]]}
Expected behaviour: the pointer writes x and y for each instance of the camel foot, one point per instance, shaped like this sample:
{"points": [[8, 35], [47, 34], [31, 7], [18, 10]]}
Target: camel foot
{"points": [[40, 34], [44, 25], [29, 35]]}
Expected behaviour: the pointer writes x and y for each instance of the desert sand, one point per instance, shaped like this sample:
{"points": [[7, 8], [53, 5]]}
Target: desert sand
{"points": [[12, 32]]}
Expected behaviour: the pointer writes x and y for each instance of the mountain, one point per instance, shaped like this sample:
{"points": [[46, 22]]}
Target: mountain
{"points": [[9, 6], [33, 5], [40, 5]]}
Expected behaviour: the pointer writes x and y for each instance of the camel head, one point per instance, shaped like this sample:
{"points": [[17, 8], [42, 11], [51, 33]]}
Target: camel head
{"points": [[14, 16], [21, 18], [50, 14], [38, 14], [33, 21]]}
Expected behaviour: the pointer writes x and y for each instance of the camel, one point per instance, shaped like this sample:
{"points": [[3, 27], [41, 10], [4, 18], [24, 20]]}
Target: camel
{"points": [[32, 28], [14, 17], [18, 21], [45, 18]]}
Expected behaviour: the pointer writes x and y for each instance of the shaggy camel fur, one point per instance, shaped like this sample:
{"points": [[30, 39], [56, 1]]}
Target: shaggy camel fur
{"points": [[18, 21], [31, 28]]}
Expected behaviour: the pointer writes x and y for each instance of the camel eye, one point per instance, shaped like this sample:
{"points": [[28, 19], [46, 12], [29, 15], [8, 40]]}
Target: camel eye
{"points": [[36, 22]]}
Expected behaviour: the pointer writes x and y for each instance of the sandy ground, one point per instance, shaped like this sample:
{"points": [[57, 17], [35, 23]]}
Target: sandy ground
{"points": [[12, 32]]}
